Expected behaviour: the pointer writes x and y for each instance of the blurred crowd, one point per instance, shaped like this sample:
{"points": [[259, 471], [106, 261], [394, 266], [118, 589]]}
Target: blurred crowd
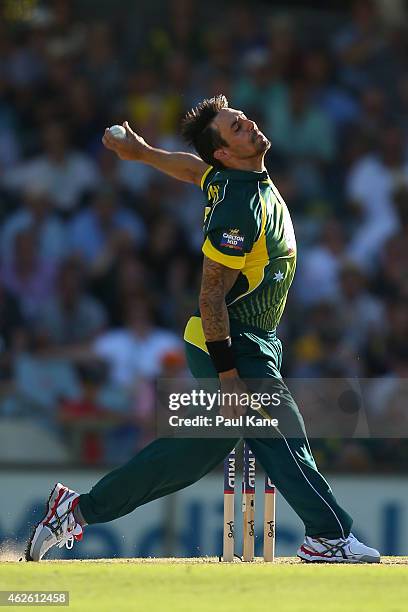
{"points": [[100, 258]]}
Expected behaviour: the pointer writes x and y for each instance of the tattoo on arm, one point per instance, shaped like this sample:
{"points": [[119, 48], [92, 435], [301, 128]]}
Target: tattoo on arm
{"points": [[216, 283]]}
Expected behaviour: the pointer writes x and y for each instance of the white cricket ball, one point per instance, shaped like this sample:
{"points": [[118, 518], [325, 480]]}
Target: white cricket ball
{"points": [[118, 132]]}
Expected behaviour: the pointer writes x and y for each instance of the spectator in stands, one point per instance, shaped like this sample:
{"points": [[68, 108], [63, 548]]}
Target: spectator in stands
{"points": [[165, 244], [87, 423], [127, 277], [245, 33], [335, 102], [304, 135], [361, 313], [10, 147], [66, 74], [101, 66], [42, 381], [13, 332], [380, 344], [174, 371], [102, 229], [66, 173], [38, 215], [256, 89], [135, 350], [387, 396], [70, 317], [27, 275], [298, 128], [370, 184], [84, 116], [321, 351], [373, 112], [319, 266], [360, 46], [11, 321], [392, 272], [402, 100], [283, 46], [65, 33], [23, 64]]}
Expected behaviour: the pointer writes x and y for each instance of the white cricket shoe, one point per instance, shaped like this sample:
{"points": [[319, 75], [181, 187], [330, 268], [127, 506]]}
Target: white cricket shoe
{"points": [[342, 550], [58, 527]]}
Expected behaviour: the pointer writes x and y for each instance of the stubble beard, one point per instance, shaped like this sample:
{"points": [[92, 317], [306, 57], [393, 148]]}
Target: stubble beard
{"points": [[261, 144], [261, 147], [264, 145]]}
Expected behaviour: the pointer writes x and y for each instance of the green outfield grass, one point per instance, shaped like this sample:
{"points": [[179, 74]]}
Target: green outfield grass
{"points": [[207, 586]]}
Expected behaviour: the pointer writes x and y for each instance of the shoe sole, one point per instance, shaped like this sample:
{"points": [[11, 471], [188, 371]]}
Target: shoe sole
{"points": [[48, 513]]}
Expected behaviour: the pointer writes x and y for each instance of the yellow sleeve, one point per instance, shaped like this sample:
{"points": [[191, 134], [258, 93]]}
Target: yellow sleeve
{"points": [[230, 261], [206, 173]]}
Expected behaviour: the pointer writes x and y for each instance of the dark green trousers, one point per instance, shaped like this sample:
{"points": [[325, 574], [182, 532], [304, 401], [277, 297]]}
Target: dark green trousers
{"points": [[168, 465]]}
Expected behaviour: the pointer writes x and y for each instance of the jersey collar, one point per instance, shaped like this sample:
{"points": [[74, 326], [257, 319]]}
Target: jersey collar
{"points": [[245, 175]]}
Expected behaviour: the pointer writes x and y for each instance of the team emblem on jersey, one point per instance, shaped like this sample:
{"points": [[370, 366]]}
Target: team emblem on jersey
{"points": [[213, 193], [278, 276], [232, 240]]}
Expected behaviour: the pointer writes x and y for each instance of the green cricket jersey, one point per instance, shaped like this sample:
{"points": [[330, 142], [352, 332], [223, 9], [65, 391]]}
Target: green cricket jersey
{"points": [[247, 226]]}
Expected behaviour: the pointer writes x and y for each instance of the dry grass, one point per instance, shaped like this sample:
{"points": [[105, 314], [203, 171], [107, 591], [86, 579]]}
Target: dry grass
{"points": [[13, 558]]}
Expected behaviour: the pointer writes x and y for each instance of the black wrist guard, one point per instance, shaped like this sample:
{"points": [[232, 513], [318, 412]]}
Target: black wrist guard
{"points": [[221, 354]]}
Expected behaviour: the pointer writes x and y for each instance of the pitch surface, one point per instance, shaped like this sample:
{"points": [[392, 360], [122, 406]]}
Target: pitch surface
{"points": [[205, 585]]}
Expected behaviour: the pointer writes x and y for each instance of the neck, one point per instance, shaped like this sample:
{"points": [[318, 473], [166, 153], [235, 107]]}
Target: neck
{"points": [[253, 164]]}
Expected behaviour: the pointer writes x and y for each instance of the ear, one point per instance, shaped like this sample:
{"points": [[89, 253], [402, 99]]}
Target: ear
{"points": [[221, 154]]}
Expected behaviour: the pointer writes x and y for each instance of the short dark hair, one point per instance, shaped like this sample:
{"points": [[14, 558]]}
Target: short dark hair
{"points": [[197, 131]]}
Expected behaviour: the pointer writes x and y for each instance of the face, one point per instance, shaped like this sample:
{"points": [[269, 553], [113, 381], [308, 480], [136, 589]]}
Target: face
{"points": [[242, 135]]}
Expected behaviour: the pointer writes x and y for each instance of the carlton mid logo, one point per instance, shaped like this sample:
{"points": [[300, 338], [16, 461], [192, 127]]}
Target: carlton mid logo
{"points": [[233, 240]]}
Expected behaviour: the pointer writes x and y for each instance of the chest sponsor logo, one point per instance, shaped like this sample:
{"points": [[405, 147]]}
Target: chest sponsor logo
{"points": [[233, 240]]}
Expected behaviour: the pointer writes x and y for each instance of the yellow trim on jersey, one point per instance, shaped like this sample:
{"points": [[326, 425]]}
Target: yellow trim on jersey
{"points": [[256, 260], [194, 333], [231, 261], [206, 173]]}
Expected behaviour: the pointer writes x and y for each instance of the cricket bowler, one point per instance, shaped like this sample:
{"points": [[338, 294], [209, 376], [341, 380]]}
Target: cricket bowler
{"points": [[249, 263]]}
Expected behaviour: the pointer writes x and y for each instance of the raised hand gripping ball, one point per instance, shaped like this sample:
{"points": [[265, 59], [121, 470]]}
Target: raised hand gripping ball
{"points": [[118, 132]]}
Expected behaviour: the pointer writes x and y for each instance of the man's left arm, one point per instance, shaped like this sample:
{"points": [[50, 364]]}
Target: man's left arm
{"points": [[216, 282]]}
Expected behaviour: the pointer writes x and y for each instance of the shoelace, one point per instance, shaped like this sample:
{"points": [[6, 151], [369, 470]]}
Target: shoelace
{"points": [[350, 538], [332, 548], [76, 534]]}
